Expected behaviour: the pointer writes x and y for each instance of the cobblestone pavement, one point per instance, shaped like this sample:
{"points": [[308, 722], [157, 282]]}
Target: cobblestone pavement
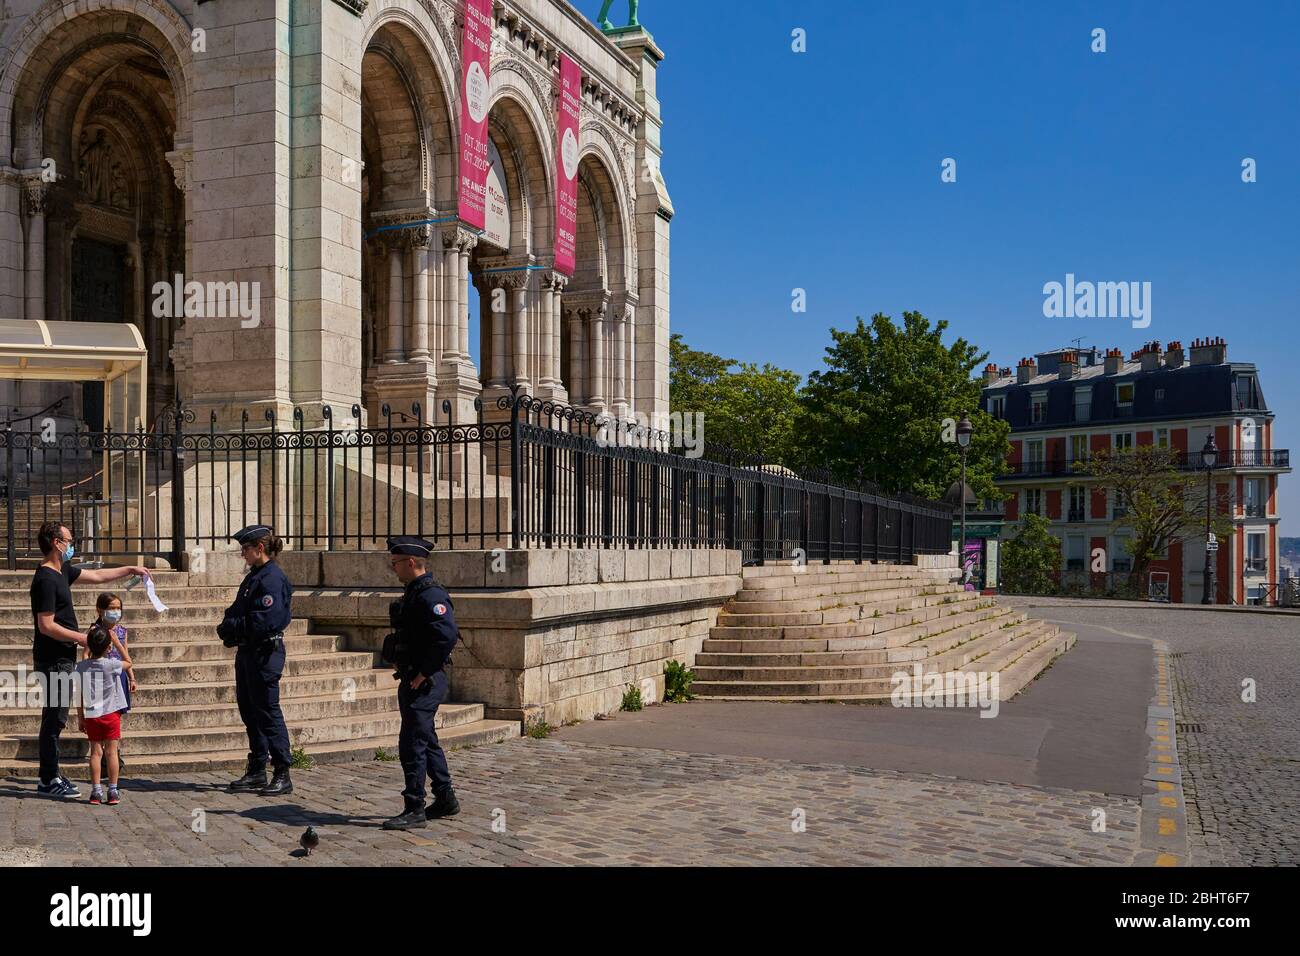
{"points": [[565, 803], [1240, 761]]}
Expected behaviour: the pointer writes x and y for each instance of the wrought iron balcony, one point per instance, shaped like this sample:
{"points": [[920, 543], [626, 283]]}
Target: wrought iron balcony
{"points": [[1279, 458]]}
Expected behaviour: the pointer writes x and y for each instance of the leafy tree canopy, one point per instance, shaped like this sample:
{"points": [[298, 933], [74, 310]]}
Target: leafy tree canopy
{"points": [[878, 409]]}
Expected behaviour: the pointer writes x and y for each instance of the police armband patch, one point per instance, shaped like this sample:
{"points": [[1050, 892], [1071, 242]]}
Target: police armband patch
{"points": [[440, 609], [267, 600]]}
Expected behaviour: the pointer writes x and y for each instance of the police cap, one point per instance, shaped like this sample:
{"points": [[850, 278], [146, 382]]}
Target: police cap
{"points": [[410, 546], [253, 532]]}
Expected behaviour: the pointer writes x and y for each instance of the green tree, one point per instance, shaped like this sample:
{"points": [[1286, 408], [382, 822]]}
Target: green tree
{"points": [[879, 409], [746, 407], [1030, 561], [1163, 505]]}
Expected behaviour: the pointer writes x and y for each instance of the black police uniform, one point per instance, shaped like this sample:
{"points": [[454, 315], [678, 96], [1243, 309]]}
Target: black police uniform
{"points": [[255, 624], [424, 634]]}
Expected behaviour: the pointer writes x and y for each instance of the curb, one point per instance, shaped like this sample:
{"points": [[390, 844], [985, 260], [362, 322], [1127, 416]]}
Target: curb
{"points": [[1013, 600], [1163, 826]]}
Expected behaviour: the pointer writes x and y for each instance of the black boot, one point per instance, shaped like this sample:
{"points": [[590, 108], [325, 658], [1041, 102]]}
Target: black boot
{"points": [[411, 819], [444, 804], [254, 778], [280, 783]]}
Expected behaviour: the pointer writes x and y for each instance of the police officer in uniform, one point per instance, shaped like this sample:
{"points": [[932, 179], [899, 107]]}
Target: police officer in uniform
{"points": [[255, 624], [424, 633]]}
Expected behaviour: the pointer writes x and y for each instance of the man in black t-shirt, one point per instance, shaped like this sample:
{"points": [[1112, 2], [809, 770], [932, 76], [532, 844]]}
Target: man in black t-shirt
{"points": [[54, 647]]}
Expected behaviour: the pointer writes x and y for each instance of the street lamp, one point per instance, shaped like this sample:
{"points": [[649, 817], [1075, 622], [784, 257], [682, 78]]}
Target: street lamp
{"points": [[1209, 455], [964, 431]]}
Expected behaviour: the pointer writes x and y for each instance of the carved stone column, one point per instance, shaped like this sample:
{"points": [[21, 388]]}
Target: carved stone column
{"points": [[394, 352], [419, 245], [35, 197], [596, 367], [517, 284], [457, 378], [577, 373]]}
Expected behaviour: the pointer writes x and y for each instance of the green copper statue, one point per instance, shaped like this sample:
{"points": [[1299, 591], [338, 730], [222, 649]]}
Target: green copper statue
{"points": [[602, 19]]}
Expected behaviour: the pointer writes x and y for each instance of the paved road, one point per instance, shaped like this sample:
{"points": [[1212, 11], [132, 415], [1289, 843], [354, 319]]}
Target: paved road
{"points": [[705, 782], [563, 802], [1240, 761]]}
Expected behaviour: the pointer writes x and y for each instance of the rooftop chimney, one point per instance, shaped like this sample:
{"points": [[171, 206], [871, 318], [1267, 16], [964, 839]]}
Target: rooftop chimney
{"points": [[1150, 356], [1025, 370], [1174, 357], [1114, 361], [1209, 351], [1004, 372], [990, 374], [1069, 365]]}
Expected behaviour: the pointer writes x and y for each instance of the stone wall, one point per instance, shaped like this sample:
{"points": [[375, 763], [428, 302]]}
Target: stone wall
{"points": [[556, 635]]}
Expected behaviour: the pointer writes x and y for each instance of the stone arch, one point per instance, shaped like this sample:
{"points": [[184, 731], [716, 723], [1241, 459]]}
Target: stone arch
{"points": [[407, 34], [103, 94], [517, 130], [604, 240], [47, 46]]}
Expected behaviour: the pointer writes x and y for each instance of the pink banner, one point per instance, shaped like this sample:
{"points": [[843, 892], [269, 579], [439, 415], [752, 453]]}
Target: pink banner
{"points": [[566, 167], [475, 49]]}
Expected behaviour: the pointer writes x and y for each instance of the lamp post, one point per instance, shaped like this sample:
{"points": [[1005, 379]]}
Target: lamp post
{"points": [[1209, 455], [964, 431]]}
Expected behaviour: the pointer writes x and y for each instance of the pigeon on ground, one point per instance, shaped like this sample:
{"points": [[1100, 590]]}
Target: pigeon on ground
{"points": [[309, 840]]}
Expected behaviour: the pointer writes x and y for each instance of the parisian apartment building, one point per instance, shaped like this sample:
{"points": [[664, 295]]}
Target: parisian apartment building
{"points": [[1066, 405]]}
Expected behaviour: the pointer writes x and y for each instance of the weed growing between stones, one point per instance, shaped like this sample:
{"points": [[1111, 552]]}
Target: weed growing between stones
{"points": [[631, 698]]}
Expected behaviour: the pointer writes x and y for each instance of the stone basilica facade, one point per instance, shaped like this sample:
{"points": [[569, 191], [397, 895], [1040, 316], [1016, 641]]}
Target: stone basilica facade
{"points": [[302, 157]]}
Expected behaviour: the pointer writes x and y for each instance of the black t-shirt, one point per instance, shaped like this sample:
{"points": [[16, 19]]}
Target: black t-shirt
{"points": [[52, 593]]}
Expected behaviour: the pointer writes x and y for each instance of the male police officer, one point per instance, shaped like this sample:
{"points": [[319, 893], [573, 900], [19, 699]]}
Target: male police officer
{"points": [[255, 624], [424, 633]]}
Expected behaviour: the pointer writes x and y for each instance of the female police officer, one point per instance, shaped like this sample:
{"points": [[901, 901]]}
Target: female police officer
{"points": [[255, 624]]}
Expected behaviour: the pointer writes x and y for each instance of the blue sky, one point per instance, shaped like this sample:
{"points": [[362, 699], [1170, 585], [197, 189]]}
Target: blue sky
{"points": [[821, 171]]}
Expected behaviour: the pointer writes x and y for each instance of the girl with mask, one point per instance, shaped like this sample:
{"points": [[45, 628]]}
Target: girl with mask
{"points": [[109, 608]]}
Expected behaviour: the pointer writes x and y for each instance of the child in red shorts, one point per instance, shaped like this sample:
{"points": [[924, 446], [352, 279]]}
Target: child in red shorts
{"points": [[99, 679]]}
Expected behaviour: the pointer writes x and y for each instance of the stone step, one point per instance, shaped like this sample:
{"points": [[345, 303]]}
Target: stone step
{"points": [[191, 694], [812, 582], [150, 632], [297, 710], [178, 613], [472, 734], [1031, 647], [229, 737], [899, 627], [1028, 667], [838, 609], [917, 597], [965, 647], [154, 652], [85, 595]]}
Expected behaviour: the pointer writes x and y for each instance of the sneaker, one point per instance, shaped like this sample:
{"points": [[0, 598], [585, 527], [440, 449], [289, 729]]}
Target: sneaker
{"points": [[96, 797], [58, 787], [113, 798]]}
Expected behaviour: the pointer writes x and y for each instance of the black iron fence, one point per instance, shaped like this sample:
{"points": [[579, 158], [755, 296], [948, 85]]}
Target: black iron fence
{"points": [[522, 473]]}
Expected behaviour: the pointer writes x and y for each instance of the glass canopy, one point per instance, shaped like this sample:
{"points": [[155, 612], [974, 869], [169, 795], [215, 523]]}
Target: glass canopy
{"points": [[108, 352]]}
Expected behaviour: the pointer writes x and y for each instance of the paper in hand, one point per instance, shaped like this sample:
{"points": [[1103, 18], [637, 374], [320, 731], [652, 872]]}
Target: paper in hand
{"points": [[149, 591]]}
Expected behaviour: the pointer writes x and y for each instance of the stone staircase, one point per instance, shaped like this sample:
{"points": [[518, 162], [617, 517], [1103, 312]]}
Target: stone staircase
{"points": [[337, 704], [840, 631]]}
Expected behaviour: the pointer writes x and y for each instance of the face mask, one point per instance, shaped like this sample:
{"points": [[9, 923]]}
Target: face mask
{"points": [[67, 555], [112, 617]]}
